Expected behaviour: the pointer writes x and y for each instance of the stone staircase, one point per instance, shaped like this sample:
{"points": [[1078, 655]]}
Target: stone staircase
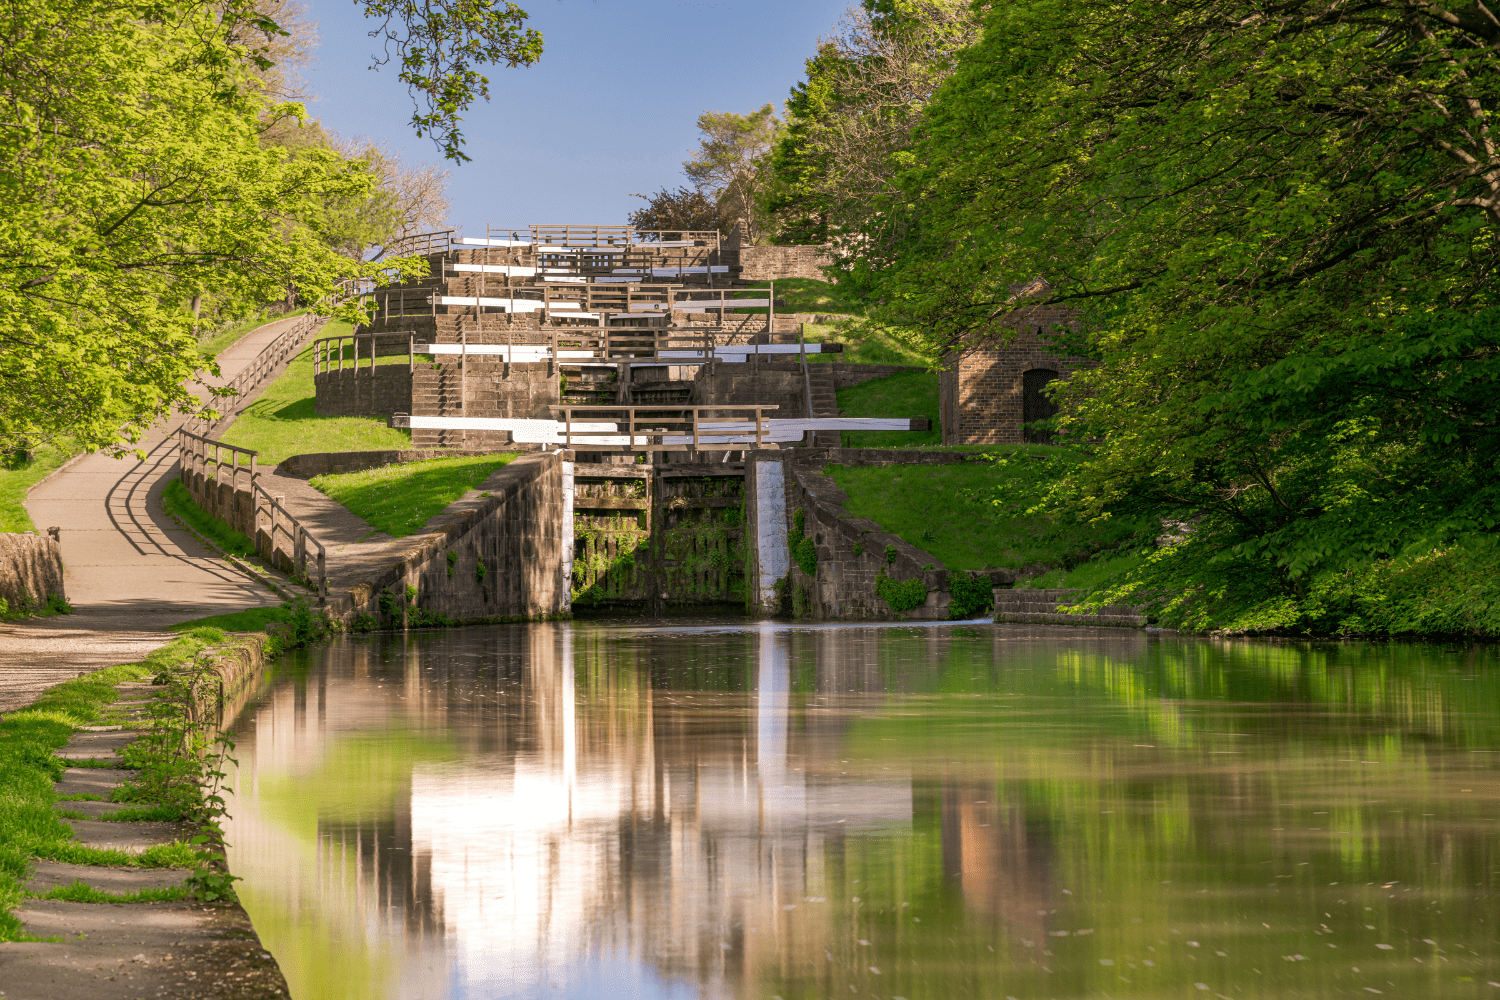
{"points": [[825, 402], [1039, 607]]}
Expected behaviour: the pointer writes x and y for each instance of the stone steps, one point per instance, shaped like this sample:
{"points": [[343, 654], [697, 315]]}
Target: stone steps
{"points": [[1041, 607]]}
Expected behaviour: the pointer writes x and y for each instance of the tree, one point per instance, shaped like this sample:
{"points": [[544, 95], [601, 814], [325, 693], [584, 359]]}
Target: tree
{"points": [[1281, 223], [136, 180], [437, 44], [730, 165], [850, 123], [673, 213]]}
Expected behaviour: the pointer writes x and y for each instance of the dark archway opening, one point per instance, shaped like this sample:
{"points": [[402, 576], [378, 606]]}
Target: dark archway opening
{"points": [[1035, 405]]}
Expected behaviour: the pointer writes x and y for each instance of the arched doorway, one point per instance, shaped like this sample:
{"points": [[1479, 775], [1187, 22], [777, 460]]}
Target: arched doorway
{"points": [[1035, 405]]}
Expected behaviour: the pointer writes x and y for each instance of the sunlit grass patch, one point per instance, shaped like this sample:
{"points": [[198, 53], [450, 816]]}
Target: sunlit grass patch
{"points": [[249, 620], [399, 499], [281, 422], [907, 394], [17, 478], [80, 892]]}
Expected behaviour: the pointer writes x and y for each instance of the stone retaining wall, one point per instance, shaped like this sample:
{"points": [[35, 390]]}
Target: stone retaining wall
{"points": [[337, 462], [31, 569], [363, 392], [521, 535]]}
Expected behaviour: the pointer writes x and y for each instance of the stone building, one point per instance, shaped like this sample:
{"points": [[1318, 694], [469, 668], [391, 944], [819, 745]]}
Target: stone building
{"points": [[989, 392]]}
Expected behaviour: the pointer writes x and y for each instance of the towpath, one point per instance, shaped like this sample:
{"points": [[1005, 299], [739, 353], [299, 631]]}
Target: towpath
{"points": [[130, 570]]}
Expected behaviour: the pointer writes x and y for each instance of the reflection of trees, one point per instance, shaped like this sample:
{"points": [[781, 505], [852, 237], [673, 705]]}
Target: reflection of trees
{"points": [[711, 805]]}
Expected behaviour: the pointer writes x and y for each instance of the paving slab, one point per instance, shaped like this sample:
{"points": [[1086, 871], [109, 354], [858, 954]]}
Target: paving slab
{"points": [[132, 837], [187, 951], [98, 781], [48, 875], [102, 744]]}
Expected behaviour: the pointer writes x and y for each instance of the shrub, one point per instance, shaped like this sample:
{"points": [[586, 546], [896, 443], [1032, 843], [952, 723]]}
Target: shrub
{"points": [[901, 595]]}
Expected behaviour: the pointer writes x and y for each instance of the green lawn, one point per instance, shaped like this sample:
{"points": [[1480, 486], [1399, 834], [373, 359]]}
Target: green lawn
{"points": [[934, 507], [908, 394], [804, 295], [399, 499], [281, 422], [249, 620], [15, 481]]}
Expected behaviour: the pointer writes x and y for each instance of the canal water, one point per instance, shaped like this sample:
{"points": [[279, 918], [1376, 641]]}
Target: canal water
{"points": [[961, 810]]}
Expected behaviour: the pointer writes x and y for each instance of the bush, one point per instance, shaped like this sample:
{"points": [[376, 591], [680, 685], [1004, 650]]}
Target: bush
{"points": [[972, 594], [902, 595]]}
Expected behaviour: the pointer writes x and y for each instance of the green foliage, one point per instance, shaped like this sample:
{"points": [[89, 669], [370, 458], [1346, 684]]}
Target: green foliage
{"points": [[859, 549], [972, 594], [452, 558], [281, 422], [479, 571], [139, 182], [18, 476], [400, 499], [55, 604], [179, 502], [1282, 240], [901, 595], [732, 164], [907, 394], [438, 44], [806, 554]]}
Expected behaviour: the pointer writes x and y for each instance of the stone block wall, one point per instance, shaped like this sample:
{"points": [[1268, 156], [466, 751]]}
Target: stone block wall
{"points": [[484, 389], [31, 569], [512, 553], [981, 389], [774, 263], [779, 383], [363, 392]]}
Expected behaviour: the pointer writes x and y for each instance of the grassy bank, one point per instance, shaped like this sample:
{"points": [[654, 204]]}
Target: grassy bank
{"points": [[215, 343], [30, 827], [947, 510], [281, 422], [399, 499], [17, 479], [908, 394]]}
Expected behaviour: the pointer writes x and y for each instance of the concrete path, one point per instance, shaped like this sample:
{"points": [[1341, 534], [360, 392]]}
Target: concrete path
{"points": [[130, 571]]}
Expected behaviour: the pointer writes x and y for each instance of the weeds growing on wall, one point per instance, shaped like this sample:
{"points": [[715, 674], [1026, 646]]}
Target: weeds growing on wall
{"points": [[901, 595], [972, 595], [55, 604]]}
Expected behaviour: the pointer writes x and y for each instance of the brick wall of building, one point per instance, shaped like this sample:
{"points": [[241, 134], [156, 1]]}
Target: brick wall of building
{"points": [[980, 389]]}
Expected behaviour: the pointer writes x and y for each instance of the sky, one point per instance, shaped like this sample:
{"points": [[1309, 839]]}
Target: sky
{"points": [[609, 110]]}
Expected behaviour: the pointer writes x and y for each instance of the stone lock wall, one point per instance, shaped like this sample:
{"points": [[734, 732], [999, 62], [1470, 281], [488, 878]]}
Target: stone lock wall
{"points": [[485, 389], [512, 553], [31, 568], [980, 389], [779, 383]]}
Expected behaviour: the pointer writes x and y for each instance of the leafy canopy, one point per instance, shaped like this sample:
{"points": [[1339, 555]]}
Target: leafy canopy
{"points": [[1280, 224]]}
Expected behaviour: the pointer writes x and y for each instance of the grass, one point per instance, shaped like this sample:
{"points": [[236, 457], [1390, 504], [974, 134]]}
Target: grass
{"points": [[281, 422], [399, 499], [16, 480], [933, 507], [1084, 575], [29, 825], [863, 345], [249, 620], [806, 295], [907, 394], [179, 501], [80, 892]]}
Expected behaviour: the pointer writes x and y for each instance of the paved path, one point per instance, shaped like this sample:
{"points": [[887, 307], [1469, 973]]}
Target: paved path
{"points": [[130, 571]]}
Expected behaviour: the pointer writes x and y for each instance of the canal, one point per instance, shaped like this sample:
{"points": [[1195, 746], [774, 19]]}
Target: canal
{"points": [[760, 810]]}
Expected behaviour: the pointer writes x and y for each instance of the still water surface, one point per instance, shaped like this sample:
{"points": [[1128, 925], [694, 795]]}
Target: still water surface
{"points": [[763, 810]]}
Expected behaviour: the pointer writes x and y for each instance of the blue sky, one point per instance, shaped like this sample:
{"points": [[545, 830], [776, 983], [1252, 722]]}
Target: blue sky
{"points": [[609, 109]]}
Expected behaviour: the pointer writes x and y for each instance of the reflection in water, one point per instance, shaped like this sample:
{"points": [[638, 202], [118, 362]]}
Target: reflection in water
{"points": [[759, 810]]}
